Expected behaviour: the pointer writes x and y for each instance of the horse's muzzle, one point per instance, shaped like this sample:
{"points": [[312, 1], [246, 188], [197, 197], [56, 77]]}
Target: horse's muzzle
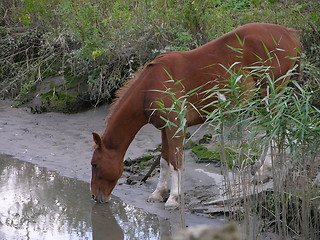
{"points": [[101, 198]]}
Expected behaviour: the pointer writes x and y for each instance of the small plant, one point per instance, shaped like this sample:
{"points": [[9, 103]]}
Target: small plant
{"points": [[203, 153], [26, 90]]}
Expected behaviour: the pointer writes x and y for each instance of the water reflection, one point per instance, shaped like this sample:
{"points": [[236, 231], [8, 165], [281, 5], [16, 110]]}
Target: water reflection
{"points": [[104, 224], [39, 204]]}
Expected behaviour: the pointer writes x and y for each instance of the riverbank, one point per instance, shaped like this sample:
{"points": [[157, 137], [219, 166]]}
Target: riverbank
{"points": [[63, 143]]}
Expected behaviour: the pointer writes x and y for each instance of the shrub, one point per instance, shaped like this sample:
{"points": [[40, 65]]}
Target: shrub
{"points": [[104, 42]]}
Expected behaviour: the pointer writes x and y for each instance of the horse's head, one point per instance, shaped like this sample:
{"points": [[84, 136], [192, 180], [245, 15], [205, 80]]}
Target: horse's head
{"points": [[106, 170]]}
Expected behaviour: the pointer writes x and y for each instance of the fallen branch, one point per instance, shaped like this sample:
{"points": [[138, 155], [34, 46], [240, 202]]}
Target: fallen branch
{"points": [[154, 165]]}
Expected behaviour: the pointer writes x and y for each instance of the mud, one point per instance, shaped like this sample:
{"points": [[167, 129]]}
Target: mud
{"points": [[63, 143], [37, 203]]}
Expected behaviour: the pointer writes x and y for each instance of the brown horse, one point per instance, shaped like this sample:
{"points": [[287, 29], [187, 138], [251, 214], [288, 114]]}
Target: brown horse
{"points": [[204, 66]]}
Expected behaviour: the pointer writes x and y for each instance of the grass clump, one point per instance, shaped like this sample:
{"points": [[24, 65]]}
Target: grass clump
{"points": [[203, 153], [292, 129], [235, 157]]}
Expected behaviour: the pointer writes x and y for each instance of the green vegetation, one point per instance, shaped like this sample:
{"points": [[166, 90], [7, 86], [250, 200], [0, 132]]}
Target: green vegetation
{"points": [[141, 162], [203, 153], [235, 157], [96, 45], [290, 127]]}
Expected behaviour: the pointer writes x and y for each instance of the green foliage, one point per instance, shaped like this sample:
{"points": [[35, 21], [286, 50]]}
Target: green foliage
{"points": [[203, 153], [26, 89], [291, 124], [146, 158], [236, 156], [106, 41], [287, 120], [35, 12]]}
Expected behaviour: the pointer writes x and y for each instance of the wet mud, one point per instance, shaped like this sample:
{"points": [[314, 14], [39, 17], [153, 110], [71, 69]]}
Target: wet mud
{"points": [[47, 195], [63, 143], [36, 203]]}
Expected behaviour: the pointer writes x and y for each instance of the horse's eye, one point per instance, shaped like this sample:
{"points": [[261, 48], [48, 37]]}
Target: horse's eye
{"points": [[94, 165]]}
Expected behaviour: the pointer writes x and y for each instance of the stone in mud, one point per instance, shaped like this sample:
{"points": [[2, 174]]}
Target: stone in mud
{"points": [[56, 94], [205, 232], [206, 139]]}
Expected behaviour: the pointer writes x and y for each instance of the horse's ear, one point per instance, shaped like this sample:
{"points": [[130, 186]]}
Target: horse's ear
{"points": [[97, 139]]}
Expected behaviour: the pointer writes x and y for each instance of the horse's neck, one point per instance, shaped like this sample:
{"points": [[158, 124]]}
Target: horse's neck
{"points": [[123, 125]]}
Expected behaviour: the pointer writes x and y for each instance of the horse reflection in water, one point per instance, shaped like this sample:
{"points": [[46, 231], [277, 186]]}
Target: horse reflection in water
{"points": [[104, 224], [118, 221], [202, 70]]}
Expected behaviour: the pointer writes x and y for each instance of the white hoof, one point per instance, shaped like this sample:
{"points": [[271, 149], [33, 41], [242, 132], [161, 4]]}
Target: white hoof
{"points": [[172, 203], [263, 175], [156, 196]]}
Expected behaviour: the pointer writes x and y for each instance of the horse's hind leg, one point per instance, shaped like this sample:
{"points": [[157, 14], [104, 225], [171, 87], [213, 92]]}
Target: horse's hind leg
{"points": [[265, 171], [162, 186]]}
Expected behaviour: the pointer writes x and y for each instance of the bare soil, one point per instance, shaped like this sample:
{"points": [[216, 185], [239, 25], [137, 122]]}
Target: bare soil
{"points": [[63, 143]]}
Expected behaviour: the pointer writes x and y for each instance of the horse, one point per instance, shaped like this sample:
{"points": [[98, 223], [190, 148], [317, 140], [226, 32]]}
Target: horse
{"points": [[196, 70]]}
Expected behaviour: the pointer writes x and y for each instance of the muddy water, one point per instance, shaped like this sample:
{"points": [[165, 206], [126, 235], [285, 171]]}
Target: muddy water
{"points": [[39, 204]]}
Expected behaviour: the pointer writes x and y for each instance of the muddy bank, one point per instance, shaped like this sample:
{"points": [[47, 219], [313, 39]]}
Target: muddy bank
{"points": [[63, 143]]}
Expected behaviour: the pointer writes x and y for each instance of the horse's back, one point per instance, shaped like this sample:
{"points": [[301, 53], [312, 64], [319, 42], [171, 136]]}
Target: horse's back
{"points": [[205, 67], [270, 43]]}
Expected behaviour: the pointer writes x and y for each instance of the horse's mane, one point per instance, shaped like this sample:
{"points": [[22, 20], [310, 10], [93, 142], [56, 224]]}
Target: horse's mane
{"points": [[122, 91]]}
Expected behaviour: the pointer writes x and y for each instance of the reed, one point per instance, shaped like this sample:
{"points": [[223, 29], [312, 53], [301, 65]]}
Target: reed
{"points": [[287, 123]]}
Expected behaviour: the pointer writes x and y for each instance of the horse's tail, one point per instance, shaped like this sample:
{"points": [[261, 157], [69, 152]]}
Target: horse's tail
{"points": [[294, 33]]}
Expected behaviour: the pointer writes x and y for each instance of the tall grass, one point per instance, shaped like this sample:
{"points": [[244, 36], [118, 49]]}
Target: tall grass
{"points": [[289, 123], [286, 122]]}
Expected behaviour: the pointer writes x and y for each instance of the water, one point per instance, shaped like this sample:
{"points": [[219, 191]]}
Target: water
{"points": [[39, 204]]}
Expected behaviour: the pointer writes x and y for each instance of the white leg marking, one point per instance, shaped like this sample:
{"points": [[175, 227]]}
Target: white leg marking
{"points": [[173, 200], [265, 171], [162, 186]]}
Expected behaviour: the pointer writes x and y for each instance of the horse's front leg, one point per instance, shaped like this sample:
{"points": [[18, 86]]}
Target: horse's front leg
{"points": [[162, 186], [176, 189]]}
